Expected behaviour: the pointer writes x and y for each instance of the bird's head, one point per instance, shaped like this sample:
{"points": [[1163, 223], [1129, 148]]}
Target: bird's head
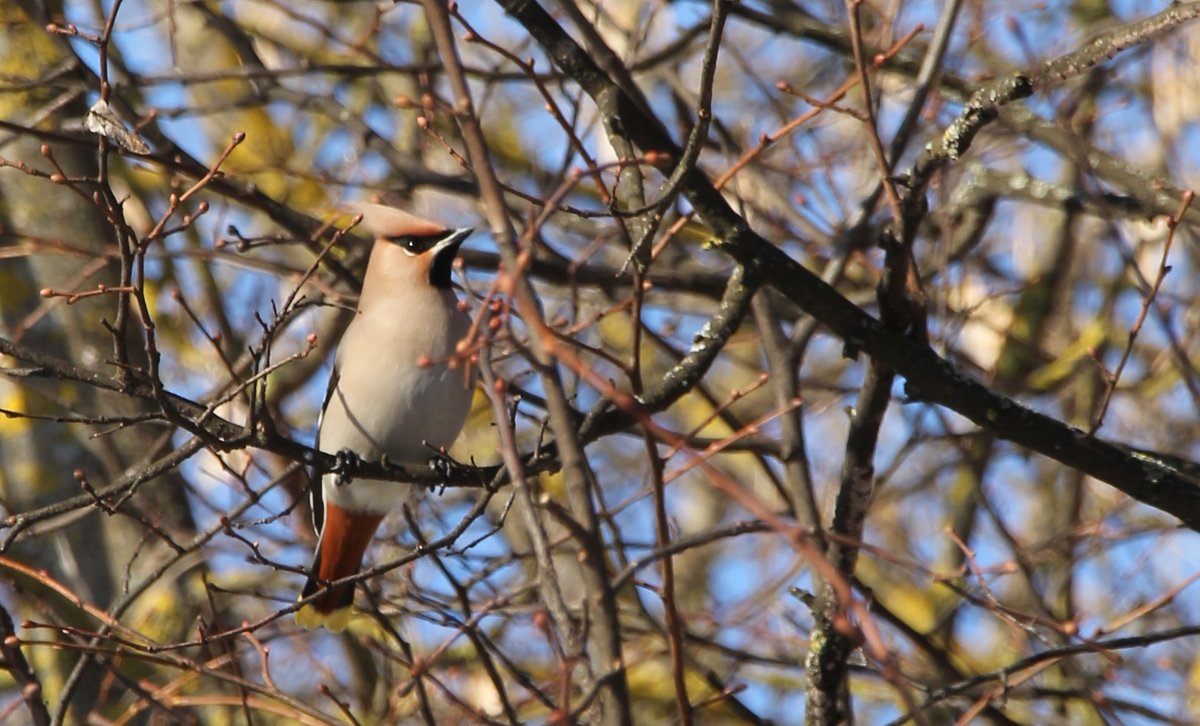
{"points": [[430, 247]]}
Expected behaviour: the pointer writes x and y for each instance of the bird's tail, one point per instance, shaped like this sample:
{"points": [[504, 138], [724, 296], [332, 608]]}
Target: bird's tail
{"points": [[344, 537]]}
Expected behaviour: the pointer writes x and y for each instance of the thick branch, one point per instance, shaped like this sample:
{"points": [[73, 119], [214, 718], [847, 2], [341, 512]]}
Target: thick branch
{"points": [[928, 376]]}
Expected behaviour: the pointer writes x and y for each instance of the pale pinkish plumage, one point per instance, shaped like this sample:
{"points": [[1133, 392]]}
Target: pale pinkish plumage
{"points": [[391, 392], [381, 221]]}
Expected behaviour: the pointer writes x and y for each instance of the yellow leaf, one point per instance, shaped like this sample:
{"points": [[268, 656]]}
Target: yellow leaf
{"points": [[1065, 362]]}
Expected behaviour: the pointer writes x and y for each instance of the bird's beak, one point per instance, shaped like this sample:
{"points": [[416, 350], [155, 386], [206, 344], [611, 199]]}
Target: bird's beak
{"points": [[452, 242], [444, 253]]}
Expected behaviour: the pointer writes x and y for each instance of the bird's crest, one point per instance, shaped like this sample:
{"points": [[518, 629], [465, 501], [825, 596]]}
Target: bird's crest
{"points": [[383, 221]]}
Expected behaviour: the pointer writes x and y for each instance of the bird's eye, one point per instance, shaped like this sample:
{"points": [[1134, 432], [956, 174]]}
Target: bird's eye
{"points": [[415, 244]]}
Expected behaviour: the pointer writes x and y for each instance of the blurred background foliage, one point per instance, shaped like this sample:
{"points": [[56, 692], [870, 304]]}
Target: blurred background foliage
{"points": [[1038, 255]]}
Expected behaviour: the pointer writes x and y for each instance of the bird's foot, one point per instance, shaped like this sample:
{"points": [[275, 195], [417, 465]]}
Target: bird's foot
{"points": [[346, 465], [447, 468]]}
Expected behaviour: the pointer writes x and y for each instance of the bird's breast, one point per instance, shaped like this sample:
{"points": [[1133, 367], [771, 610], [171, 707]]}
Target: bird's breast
{"points": [[396, 391]]}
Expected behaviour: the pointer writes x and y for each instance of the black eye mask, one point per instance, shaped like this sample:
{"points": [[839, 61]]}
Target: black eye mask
{"points": [[443, 259], [417, 244]]}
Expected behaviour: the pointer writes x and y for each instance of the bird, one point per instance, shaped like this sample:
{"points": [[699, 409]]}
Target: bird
{"points": [[396, 390]]}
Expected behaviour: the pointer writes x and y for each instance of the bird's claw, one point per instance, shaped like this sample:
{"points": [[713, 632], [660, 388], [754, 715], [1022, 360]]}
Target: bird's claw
{"points": [[346, 464], [445, 467]]}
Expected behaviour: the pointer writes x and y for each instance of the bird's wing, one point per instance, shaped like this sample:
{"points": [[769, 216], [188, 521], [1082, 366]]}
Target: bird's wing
{"points": [[316, 497]]}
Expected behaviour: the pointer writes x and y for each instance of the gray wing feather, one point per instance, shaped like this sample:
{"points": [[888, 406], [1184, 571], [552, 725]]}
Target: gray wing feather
{"points": [[316, 498]]}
